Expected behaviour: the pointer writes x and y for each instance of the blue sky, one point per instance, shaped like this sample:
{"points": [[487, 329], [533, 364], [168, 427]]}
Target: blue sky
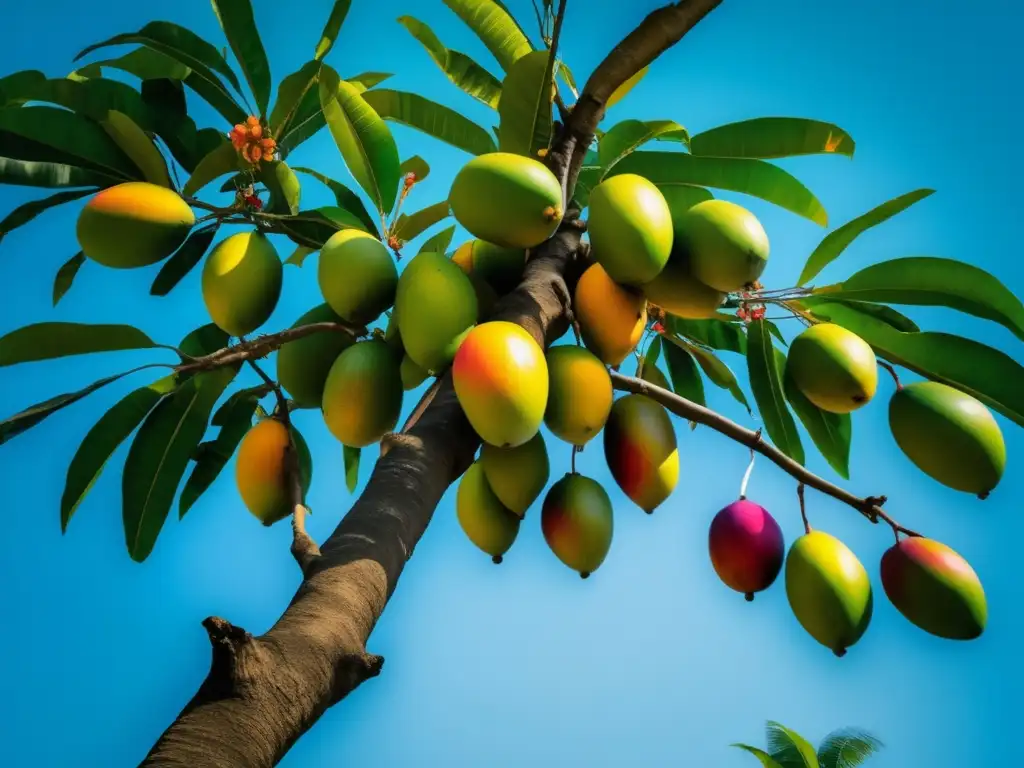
{"points": [[652, 662]]}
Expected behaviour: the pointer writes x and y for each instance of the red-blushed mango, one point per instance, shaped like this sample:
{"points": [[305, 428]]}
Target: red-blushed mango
{"points": [[260, 470], [679, 293], [501, 380], [747, 547], [303, 364], [412, 374], [834, 368], [949, 435], [436, 306], [357, 276], [728, 247], [134, 224], [484, 520], [640, 447], [363, 394], [506, 199], [934, 588], [828, 590], [630, 228], [576, 520], [517, 475], [501, 268], [242, 282], [611, 318], [579, 394]]}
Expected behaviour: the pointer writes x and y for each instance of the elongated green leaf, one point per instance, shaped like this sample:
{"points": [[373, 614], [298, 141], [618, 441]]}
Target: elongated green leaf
{"points": [[239, 24], [23, 214], [284, 187], [847, 748], [714, 333], [299, 255], [367, 80], [204, 340], [985, 373], [216, 95], [431, 118], [766, 760], [525, 107], [495, 27], [134, 142], [653, 351], [351, 456], [315, 227], [628, 135], [363, 138], [831, 432], [415, 165], [836, 241], [345, 197], [103, 439], [183, 260], [332, 28], [45, 341], [686, 379], [31, 173], [620, 93], [219, 161], [718, 372], [765, 365], [438, 243], [886, 314], [290, 94], [751, 177], [564, 72], [786, 745], [930, 281], [13, 86], [66, 276], [144, 63], [771, 137], [408, 227]]}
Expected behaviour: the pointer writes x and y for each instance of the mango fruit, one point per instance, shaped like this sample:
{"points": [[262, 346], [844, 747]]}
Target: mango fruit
{"points": [[747, 547], [728, 247], [506, 199], [260, 470], [650, 372], [576, 520], [501, 381], [363, 394], [949, 435], [303, 364], [502, 268], [640, 447], [579, 394], [357, 276], [630, 228], [436, 306], [834, 368], [934, 588], [242, 282], [611, 318], [134, 224], [484, 520], [679, 293], [517, 475], [412, 374], [828, 590]]}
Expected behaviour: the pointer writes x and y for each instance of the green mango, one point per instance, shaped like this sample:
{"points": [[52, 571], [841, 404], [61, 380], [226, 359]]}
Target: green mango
{"points": [[728, 247], [501, 268], [641, 451], [678, 292], [630, 228], [517, 475], [834, 368], [357, 276], [412, 374], [303, 364], [363, 393], [241, 282], [485, 521], [577, 523]]}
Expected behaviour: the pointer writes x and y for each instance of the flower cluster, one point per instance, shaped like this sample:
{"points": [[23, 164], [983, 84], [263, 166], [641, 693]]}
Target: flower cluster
{"points": [[752, 313], [250, 141]]}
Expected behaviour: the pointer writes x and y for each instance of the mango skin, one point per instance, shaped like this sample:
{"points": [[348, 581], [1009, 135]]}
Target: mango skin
{"points": [[508, 200], [679, 293], [577, 522], [436, 306], [747, 547], [611, 318], [134, 224], [486, 296], [828, 590], [934, 588], [303, 364], [579, 394], [517, 475], [834, 368], [501, 381], [501, 268], [363, 394], [260, 470], [412, 374], [728, 247], [484, 520], [640, 447], [949, 435], [630, 229], [242, 282], [357, 276]]}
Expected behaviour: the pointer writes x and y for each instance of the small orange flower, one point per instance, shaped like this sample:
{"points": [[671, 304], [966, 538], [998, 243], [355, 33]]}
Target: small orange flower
{"points": [[251, 142], [410, 179], [252, 120], [256, 131]]}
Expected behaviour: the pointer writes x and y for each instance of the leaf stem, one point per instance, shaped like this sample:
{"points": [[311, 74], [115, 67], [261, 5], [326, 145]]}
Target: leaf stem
{"points": [[892, 372]]}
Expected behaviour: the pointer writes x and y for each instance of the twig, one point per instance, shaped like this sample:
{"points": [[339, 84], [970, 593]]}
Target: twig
{"points": [[803, 507], [892, 372]]}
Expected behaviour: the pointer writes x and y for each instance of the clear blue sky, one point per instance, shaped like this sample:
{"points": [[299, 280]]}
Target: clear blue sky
{"points": [[652, 662]]}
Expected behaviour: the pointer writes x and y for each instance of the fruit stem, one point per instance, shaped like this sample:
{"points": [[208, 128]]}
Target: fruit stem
{"points": [[803, 507], [892, 372], [575, 450], [746, 476]]}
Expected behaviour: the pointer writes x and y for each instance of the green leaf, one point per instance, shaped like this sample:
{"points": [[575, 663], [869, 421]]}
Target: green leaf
{"points": [[772, 137], [563, 71], [160, 453], [718, 372], [686, 379], [224, 159], [183, 260], [790, 744], [620, 93], [831, 432], [345, 197], [766, 760], [364, 81], [458, 67], [431, 118], [315, 227], [23, 214], [886, 314], [290, 94], [930, 281], [239, 24], [46, 341], [13, 86], [765, 365], [589, 177], [752, 177], [331, 28], [495, 27], [985, 373], [145, 64], [50, 175], [363, 138], [525, 107], [103, 439], [299, 255], [716, 334], [623, 138], [283, 185], [134, 142], [653, 352], [416, 165], [351, 467], [204, 340], [408, 227], [847, 748], [836, 241], [66, 276], [438, 243]]}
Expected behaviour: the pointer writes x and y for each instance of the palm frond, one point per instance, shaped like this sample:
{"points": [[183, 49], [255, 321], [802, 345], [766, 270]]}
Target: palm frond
{"points": [[788, 748], [767, 761], [847, 748]]}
